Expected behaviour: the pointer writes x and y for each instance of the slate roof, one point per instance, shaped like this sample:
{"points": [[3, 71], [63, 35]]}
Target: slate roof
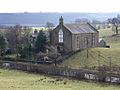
{"points": [[80, 28]]}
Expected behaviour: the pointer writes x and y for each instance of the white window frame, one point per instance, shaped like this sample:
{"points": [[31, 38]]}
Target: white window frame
{"points": [[60, 36]]}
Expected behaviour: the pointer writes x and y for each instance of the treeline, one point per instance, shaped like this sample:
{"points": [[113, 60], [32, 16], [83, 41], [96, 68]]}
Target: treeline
{"points": [[22, 42]]}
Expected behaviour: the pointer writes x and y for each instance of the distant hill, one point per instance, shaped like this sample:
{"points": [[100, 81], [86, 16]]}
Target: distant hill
{"points": [[42, 18]]}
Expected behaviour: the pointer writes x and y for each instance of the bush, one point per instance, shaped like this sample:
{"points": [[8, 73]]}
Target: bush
{"points": [[8, 51], [24, 52]]}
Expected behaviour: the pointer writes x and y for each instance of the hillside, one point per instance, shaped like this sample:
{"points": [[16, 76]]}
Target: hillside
{"points": [[40, 19], [80, 59], [17, 80], [113, 41]]}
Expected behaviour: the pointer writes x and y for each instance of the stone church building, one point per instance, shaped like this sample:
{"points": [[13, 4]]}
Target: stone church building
{"points": [[73, 37]]}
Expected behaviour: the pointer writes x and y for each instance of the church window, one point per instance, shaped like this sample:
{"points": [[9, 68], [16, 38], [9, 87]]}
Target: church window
{"points": [[60, 36]]}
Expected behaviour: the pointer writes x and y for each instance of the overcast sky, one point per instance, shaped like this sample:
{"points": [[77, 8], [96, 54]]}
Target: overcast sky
{"points": [[59, 6]]}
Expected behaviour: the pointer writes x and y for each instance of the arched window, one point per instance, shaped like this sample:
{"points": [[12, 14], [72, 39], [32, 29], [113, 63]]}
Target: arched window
{"points": [[60, 36]]}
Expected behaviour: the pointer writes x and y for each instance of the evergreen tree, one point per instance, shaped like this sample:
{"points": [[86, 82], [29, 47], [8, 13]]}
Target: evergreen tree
{"points": [[2, 44], [41, 42]]}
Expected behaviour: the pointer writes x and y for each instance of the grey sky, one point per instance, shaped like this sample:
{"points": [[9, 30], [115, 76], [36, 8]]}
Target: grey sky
{"points": [[59, 6]]}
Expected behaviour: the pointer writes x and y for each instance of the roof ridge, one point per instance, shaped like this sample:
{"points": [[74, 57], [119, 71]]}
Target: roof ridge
{"points": [[92, 27], [76, 23], [80, 28]]}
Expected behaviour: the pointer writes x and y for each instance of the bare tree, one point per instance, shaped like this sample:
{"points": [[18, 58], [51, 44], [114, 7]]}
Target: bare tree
{"points": [[49, 25], [13, 36], [115, 22], [18, 36], [25, 39]]}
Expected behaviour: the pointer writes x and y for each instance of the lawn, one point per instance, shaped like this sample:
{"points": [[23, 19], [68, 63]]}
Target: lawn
{"points": [[113, 41], [105, 32], [17, 80]]}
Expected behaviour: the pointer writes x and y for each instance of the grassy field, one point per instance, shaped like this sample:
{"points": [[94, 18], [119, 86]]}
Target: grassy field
{"points": [[17, 80], [38, 28], [113, 41], [105, 32], [80, 59]]}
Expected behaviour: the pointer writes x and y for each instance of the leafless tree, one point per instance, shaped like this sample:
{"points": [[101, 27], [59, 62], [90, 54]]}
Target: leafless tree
{"points": [[17, 36]]}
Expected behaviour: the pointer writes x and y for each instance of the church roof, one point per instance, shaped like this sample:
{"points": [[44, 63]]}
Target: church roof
{"points": [[80, 28]]}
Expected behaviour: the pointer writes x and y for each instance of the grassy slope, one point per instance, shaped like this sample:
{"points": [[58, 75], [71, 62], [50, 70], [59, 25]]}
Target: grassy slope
{"points": [[80, 59], [105, 32], [16, 80]]}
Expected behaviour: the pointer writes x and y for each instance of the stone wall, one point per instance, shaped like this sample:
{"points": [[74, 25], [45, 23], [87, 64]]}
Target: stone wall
{"points": [[61, 71]]}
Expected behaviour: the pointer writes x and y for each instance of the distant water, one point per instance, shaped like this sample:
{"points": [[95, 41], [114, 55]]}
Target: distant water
{"points": [[29, 25]]}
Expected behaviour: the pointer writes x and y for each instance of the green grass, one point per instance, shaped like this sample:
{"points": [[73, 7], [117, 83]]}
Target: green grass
{"points": [[105, 32], [80, 59], [113, 41], [38, 29], [17, 80]]}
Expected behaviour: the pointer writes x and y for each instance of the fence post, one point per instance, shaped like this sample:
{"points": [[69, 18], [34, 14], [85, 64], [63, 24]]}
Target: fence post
{"points": [[98, 59], [87, 48], [110, 67]]}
